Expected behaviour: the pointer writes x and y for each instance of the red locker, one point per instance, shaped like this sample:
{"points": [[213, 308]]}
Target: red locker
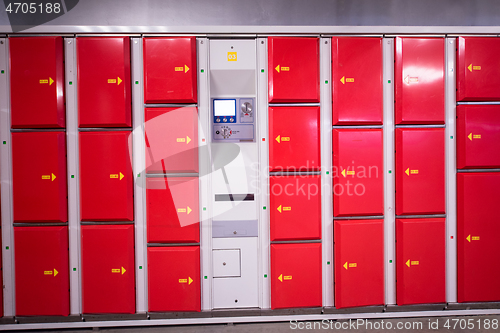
{"points": [[478, 136], [170, 70], [171, 140], [478, 232], [106, 180], [39, 177], [420, 261], [37, 82], [357, 80], [358, 172], [478, 69], [295, 207], [419, 80], [174, 278], [104, 87], [420, 174], [173, 210], [294, 139], [296, 275], [42, 272], [108, 278], [1, 275], [359, 263], [293, 67]]}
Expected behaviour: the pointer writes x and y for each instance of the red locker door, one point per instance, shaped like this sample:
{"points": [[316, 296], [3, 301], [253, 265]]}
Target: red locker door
{"points": [[170, 70], [104, 87], [358, 168], [420, 261], [295, 207], [296, 275], [293, 68], [174, 278], [173, 210], [42, 272], [37, 82], [420, 184], [357, 80], [478, 67], [106, 183], [478, 234], [419, 80], [108, 278], [294, 139], [1, 275], [359, 263], [478, 136], [171, 140], [39, 177]]}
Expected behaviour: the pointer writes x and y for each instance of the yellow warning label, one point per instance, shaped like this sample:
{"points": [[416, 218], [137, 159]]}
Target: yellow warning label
{"points": [[184, 210], [116, 176], [344, 79], [286, 277], [188, 280], [118, 270], [280, 138], [473, 238], [349, 173], [117, 80], [412, 172], [232, 56], [285, 209], [348, 265], [49, 177], [410, 263], [54, 272], [49, 81], [473, 68], [187, 139]]}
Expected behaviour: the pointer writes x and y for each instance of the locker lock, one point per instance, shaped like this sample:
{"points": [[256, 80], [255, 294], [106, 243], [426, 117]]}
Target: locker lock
{"points": [[234, 232], [223, 264]]}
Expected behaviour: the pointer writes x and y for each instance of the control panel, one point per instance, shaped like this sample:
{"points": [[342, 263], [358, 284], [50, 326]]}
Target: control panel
{"points": [[233, 119]]}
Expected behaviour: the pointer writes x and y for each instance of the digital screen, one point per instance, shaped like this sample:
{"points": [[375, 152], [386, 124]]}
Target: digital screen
{"points": [[225, 107]]}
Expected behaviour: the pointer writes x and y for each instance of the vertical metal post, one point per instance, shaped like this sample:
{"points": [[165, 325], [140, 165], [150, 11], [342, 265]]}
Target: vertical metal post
{"points": [[389, 174], [9, 301], [75, 287], [138, 155], [326, 169], [451, 170]]}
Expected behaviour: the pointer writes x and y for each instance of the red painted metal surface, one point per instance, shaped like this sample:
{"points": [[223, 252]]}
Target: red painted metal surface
{"points": [[357, 80], [478, 69], [37, 82], [478, 136], [174, 278], [358, 167], [420, 261], [478, 234], [420, 174], [293, 67], [419, 80], [359, 263], [173, 210], [171, 140], [39, 177], [296, 275], [170, 70], [106, 180], [104, 87], [295, 207], [108, 278], [294, 141], [42, 272], [1, 275]]}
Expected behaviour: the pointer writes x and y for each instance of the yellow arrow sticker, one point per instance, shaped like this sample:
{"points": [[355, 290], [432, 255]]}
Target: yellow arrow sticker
{"points": [[188, 280], [187, 139], [474, 136], [408, 79], [474, 238], [116, 176], [280, 138], [348, 265], [284, 209], [412, 263], [346, 79], [118, 270], [184, 210], [282, 69], [49, 177], [349, 173], [286, 277], [411, 172], [49, 81], [473, 68], [54, 272], [117, 80]]}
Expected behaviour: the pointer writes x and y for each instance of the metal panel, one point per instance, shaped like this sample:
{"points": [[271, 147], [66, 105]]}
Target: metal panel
{"points": [[359, 263], [174, 278], [419, 80], [170, 70], [39, 177], [106, 177], [108, 280], [293, 69], [227, 263], [478, 74], [42, 272], [358, 172], [171, 139], [420, 176], [296, 275], [478, 136], [294, 134], [478, 234], [295, 207], [173, 210], [37, 82], [357, 80], [420, 261], [104, 87]]}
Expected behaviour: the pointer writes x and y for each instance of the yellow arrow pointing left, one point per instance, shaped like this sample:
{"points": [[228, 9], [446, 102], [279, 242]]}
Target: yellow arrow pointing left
{"points": [[277, 68], [278, 138], [280, 277], [279, 208]]}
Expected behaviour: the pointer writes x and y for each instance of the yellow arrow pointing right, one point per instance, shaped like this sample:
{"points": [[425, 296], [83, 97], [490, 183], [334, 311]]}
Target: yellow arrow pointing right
{"points": [[50, 81], [55, 272], [119, 81], [186, 68]]}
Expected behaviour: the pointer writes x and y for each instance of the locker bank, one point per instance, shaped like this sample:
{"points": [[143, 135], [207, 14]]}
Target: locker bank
{"points": [[157, 174]]}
